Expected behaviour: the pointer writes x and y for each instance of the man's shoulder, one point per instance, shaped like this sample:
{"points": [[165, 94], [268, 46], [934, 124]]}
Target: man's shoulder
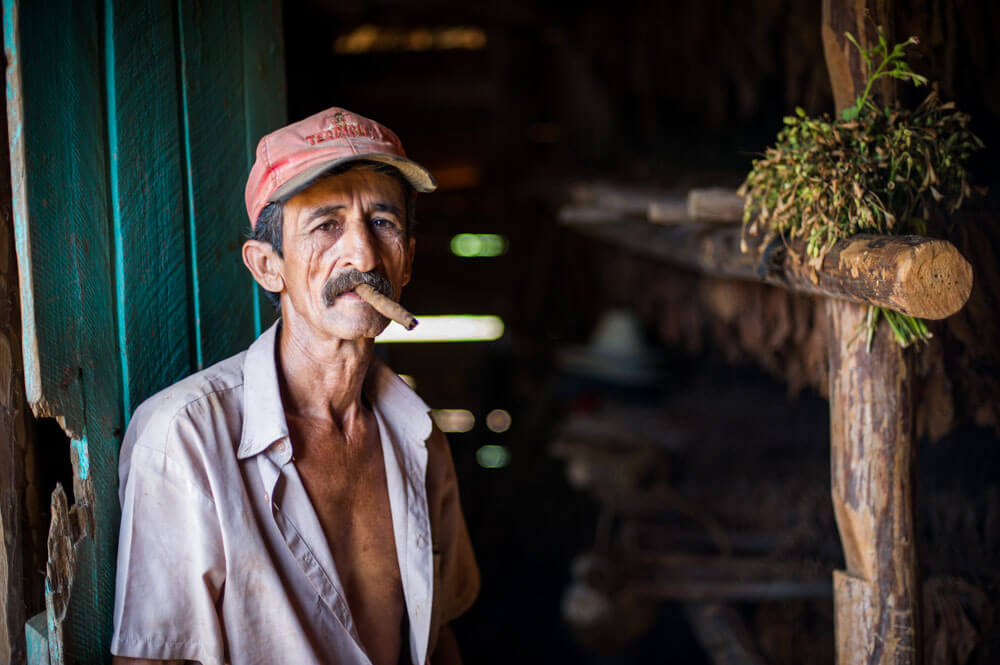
{"points": [[207, 394]]}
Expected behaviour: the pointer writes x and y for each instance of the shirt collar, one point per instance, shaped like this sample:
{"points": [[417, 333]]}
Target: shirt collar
{"points": [[264, 415], [397, 403]]}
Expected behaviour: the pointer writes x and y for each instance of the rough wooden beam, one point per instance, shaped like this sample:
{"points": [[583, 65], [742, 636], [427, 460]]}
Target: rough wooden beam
{"points": [[843, 61], [598, 201], [876, 600], [712, 204], [919, 276], [871, 425]]}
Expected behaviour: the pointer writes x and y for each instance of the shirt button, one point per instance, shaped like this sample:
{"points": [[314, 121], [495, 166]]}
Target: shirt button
{"points": [[420, 542]]}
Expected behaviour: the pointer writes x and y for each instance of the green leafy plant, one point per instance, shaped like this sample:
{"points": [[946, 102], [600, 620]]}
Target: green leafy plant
{"points": [[891, 63], [872, 169]]}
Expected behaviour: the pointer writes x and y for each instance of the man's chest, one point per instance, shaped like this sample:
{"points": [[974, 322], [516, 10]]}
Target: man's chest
{"points": [[351, 501], [347, 487]]}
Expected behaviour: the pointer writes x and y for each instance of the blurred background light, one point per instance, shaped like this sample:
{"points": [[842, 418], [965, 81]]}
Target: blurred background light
{"points": [[493, 457], [390, 39], [478, 245], [498, 420], [453, 420], [453, 328]]}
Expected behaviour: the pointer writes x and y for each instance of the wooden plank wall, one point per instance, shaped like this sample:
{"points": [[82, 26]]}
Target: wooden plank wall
{"points": [[14, 560], [265, 92], [131, 124], [147, 195]]}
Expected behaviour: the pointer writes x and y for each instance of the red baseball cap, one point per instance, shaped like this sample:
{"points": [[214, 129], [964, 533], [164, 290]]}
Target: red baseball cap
{"points": [[289, 158]]}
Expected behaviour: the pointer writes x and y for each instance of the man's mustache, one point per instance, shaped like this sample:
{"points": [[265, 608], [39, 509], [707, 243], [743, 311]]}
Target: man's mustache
{"points": [[350, 278]]}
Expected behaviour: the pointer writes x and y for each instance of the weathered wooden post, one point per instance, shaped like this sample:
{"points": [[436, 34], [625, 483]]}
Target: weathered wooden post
{"points": [[876, 600]]}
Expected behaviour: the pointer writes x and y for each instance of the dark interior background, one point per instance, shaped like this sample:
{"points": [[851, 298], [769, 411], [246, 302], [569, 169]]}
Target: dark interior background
{"points": [[668, 94]]}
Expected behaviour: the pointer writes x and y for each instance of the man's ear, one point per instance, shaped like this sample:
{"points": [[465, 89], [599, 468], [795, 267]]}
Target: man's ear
{"points": [[264, 264], [408, 269]]}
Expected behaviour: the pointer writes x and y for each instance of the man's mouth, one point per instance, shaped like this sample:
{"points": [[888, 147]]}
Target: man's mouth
{"points": [[345, 283]]}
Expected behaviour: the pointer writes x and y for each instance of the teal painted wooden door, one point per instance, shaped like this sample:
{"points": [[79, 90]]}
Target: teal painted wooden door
{"points": [[132, 128]]}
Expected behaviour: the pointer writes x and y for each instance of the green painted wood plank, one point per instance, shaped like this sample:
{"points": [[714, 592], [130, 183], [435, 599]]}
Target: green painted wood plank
{"points": [[58, 180], [147, 196], [266, 98], [36, 637], [214, 124], [104, 169], [59, 163]]}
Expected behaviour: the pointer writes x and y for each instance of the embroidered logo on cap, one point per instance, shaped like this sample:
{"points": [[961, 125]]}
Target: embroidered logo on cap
{"points": [[336, 127]]}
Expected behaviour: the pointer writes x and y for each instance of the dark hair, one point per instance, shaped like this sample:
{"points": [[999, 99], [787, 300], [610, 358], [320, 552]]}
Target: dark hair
{"points": [[270, 221]]}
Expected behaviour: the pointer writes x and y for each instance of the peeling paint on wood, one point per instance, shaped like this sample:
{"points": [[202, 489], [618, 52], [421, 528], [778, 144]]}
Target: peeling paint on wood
{"points": [[36, 637], [14, 538], [120, 209], [56, 118]]}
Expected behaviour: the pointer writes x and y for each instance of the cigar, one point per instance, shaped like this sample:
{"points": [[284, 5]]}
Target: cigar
{"points": [[386, 306]]}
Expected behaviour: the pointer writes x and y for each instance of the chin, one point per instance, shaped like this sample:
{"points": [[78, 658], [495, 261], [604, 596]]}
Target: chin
{"points": [[367, 327]]}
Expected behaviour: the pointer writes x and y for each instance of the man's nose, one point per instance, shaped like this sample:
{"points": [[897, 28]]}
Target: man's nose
{"points": [[358, 246]]}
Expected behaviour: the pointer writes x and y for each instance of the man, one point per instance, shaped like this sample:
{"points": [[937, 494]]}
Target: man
{"points": [[294, 503]]}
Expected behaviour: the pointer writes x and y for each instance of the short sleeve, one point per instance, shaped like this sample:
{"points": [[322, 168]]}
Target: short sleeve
{"points": [[170, 563], [456, 575]]}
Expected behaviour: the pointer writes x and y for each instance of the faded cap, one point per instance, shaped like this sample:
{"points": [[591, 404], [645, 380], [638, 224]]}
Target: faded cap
{"points": [[291, 157]]}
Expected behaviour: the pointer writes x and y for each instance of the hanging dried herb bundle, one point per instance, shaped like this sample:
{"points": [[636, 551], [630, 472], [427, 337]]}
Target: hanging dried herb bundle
{"points": [[874, 169]]}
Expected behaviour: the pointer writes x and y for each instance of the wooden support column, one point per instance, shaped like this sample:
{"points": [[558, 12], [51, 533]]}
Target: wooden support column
{"points": [[872, 461], [876, 600]]}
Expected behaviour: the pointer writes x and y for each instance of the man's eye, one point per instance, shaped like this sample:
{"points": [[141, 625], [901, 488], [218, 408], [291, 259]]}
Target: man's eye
{"points": [[383, 223], [326, 226]]}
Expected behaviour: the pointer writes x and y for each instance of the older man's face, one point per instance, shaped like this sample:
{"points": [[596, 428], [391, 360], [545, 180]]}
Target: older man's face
{"points": [[353, 221]]}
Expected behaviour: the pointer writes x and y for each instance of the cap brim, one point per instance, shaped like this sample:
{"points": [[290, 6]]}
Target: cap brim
{"points": [[419, 177]]}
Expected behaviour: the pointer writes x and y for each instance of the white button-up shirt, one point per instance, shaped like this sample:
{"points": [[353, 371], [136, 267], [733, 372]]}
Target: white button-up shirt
{"points": [[222, 558]]}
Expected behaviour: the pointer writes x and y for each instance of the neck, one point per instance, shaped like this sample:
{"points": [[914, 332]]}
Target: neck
{"points": [[322, 378]]}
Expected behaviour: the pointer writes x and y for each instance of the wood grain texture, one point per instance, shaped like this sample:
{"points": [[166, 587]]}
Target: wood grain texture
{"points": [[214, 132], [58, 181], [843, 62], [14, 539], [115, 207], [872, 465], [57, 125], [877, 601], [72, 638], [265, 100], [918, 276], [147, 187]]}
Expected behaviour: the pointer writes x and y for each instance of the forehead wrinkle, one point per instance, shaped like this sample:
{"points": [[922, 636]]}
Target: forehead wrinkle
{"points": [[359, 189], [383, 206], [324, 210]]}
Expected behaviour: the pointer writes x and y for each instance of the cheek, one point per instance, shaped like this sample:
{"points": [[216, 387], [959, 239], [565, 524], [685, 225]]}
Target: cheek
{"points": [[313, 259], [394, 251]]}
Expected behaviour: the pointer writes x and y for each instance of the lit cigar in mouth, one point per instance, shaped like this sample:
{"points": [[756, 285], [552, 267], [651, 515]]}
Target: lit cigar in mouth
{"points": [[387, 307]]}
